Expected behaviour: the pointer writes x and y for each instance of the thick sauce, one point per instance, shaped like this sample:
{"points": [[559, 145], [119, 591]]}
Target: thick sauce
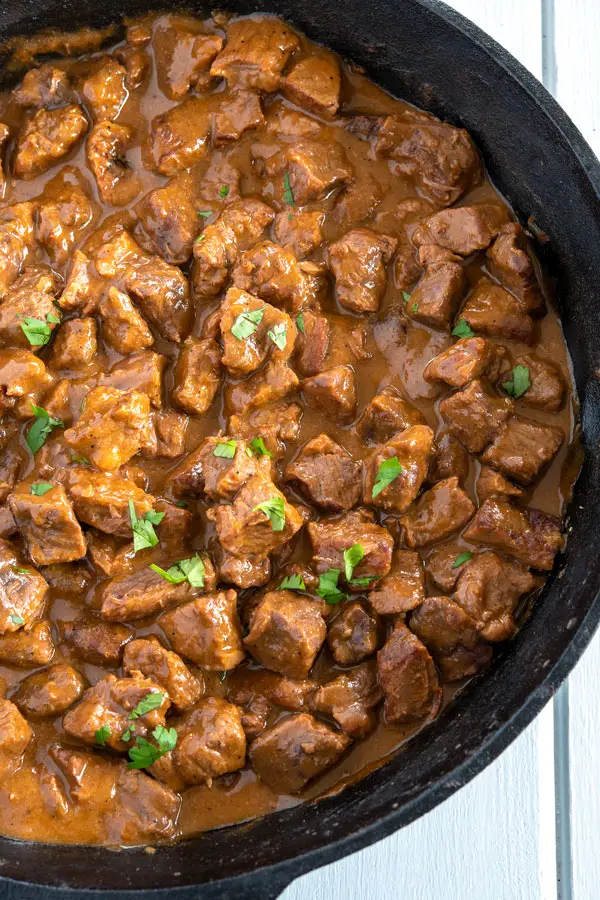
{"points": [[389, 346]]}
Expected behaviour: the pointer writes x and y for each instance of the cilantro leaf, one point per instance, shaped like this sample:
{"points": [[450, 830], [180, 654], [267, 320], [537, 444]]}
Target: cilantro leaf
{"points": [[191, 570], [38, 490], [300, 322], [274, 509], [144, 534], [288, 194], [151, 701], [292, 583], [38, 333], [278, 335], [223, 191], [463, 330], [519, 383], [225, 450], [388, 471], [258, 446], [41, 428], [144, 753], [461, 559], [17, 620], [102, 735], [328, 587], [247, 323], [352, 556], [166, 738]]}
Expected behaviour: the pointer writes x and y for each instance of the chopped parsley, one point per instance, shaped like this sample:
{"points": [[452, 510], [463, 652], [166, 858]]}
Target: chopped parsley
{"points": [[181, 504], [463, 330], [519, 383], [288, 194], [151, 701], [388, 471], [406, 297], [328, 587], [223, 191], [144, 753], [274, 509], [41, 428], [257, 445], [37, 332], [278, 335], [300, 322], [191, 570], [247, 323], [144, 534], [364, 582], [17, 620], [102, 735], [41, 488], [205, 213], [461, 559], [21, 571], [225, 450], [82, 460], [414, 308], [352, 556], [292, 583]]}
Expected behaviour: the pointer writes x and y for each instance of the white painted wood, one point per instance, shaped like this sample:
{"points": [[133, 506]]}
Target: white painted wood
{"points": [[495, 839]]}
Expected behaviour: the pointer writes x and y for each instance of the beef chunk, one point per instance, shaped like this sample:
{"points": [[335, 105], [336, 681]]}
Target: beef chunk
{"points": [[464, 229], [197, 375], [22, 591], [180, 135], [75, 344], [245, 685], [68, 578], [101, 499], [315, 83], [17, 241], [46, 138], [245, 529], [547, 388], [493, 311], [243, 571], [437, 296], [137, 65], [463, 361], [275, 424], [183, 54], [219, 477], [314, 169], [141, 593], [48, 525], [299, 230], [274, 274], [64, 214], [106, 148], [236, 113], [294, 751], [413, 450], [531, 536], [450, 459], [82, 289], [104, 89], [475, 416], [358, 201], [489, 589], [238, 227], [167, 438], [49, 692], [452, 638], [273, 338], [387, 413], [491, 482], [123, 328], [46, 86], [141, 371], [350, 699], [112, 428], [286, 633], [15, 735], [168, 220], [148, 656], [333, 393], [407, 674], [327, 474], [358, 262], [273, 382], [31, 295], [444, 564], [312, 342], [353, 635], [12, 464], [163, 294], [110, 703], [330, 538], [26, 649], [510, 261], [523, 448], [117, 252], [441, 511], [403, 588], [255, 54], [97, 642], [207, 631]]}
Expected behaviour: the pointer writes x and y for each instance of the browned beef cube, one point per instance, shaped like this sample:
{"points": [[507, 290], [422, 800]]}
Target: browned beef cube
{"points": [[450, 459], [294, 751], [314, 169], [475, 415], [46, 138], [510, 261], [273, 338], [299, 230], [115, 253], [274, 274], [441, 511], [48, 525], [523, 448], [15, 735], [123, 328], [529, 535], [275, 424], [236, 113], [358, 201], [403, 588], [437, 296], [489, 589], [333, 393], [21, 373], [405, 267], [547, 388], [31, 295], [407, 674], [109, 703], [148, 656], [64, 214], [45, 86], [83, 288], [112, 428], [220, 477], [101, 499], [197, 375], [183, 53], [464, 229], [141, 371], [353, 635], [491, 482], [97, 642], [207, 631], [142, 593], [167, 436], [163, 294], [168, 220], [312, 342], [350, 699], [246, 529], [452, 638], [463, 361], [137, 65], [75, 344], [246, 685], [286, 633], [26, 649], [12, 464], [243, 571], [330, 538], [358, 262], [17, 240], [180, 135], [445, 562], [68, 578], [22, 591], [315, 83], [104, 89], [49, 692], [271, 383], [326, 474], [255, 54], [387, 413], [413, 450], [493, 311], [107, 146]]}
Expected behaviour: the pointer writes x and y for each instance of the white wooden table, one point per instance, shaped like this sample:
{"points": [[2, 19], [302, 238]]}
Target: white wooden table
{"points": [[528, 827]]}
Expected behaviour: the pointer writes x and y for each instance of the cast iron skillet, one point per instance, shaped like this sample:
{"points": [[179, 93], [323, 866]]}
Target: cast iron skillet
{"points": [[427, 54]]}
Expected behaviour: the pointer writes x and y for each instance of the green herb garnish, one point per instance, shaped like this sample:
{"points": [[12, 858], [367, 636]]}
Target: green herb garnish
{"points": [[225, 450], [328, 587], [102, 735], [258, 446], [205, 213], [17, 620], [388, 471], [82, 460], [352, 556], [41, 428], [292, 583], [461, 559], [223, 191], [38, 333], [274, 509], [144, 534], [300, 322], [406, 297], [463, 330], [144, 753], [519, 383], [38, 490], [278, 335], [288, 194], [247, 323], [151, 701], [191, 570]]}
